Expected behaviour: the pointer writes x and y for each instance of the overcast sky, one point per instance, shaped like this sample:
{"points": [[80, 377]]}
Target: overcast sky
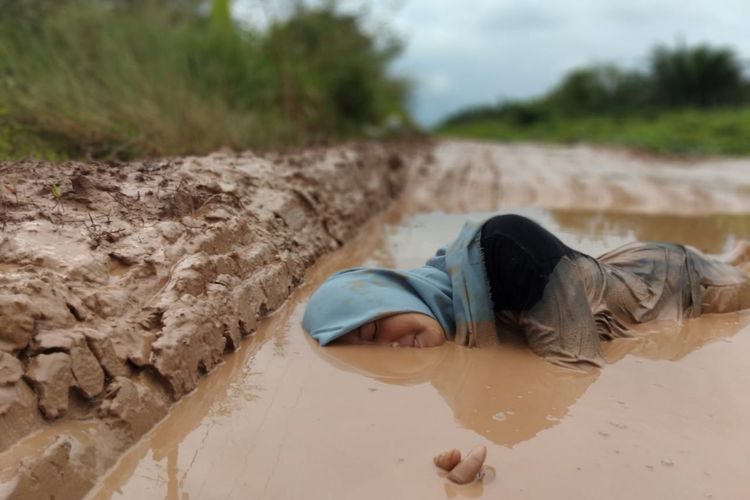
{"points": [[464, 52]]}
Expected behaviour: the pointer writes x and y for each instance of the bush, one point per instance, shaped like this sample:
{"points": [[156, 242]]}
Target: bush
{"points": [[331, 78], [600, 89], [685, 132], [513, 112], [699, 76], [125, 78]]}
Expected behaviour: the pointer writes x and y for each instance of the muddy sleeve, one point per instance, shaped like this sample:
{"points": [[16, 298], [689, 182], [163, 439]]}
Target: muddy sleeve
{"points": [[721, 288], [561, 326], [726, 298]]}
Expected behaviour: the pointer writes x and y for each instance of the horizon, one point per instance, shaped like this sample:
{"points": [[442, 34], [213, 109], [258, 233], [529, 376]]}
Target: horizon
{"points": [[466, 55]]}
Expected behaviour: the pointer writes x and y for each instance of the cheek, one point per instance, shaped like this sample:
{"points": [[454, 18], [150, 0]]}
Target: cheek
{"points": [[433, 338]]}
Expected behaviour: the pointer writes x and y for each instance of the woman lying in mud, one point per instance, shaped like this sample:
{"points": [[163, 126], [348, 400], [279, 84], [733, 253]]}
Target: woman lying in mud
{"points": [[510, 273]]}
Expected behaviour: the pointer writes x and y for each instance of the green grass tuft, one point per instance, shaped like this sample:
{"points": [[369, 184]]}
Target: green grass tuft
{"points": [[84, 78], [683, 132]]}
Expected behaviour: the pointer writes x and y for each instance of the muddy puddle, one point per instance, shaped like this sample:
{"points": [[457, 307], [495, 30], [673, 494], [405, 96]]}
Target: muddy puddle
{"points": [[284, 418]]}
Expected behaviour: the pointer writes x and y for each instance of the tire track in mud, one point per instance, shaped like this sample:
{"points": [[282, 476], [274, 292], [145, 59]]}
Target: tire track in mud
{"points": [[471, 177]]}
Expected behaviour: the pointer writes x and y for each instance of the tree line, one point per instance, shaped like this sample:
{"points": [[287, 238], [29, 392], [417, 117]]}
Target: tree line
{"points": [[675, 78]]}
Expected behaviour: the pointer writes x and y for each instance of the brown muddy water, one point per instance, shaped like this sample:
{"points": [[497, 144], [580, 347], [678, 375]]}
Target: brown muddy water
{"points": [[283, 418]]}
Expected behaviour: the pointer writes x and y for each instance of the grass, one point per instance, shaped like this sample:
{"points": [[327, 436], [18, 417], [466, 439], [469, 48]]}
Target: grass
{"points": [[682, 132], [84, 78]]}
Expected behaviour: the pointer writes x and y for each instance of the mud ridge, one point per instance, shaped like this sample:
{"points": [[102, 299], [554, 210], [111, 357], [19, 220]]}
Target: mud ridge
{"points": [[122, 284]]}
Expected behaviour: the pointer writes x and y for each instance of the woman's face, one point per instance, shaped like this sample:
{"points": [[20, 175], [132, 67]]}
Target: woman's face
{"points": [[399, 330]]}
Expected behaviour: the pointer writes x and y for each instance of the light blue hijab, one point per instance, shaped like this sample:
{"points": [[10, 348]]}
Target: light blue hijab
{"points": [[451, 288], [353, 297]]}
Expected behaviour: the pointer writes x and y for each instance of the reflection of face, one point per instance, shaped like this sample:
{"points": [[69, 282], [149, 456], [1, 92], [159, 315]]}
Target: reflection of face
{"points": [[399, 330]]}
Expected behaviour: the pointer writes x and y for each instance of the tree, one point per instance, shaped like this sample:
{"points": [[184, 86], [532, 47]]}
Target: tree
{"points": [[600, 89], [696, 76]]}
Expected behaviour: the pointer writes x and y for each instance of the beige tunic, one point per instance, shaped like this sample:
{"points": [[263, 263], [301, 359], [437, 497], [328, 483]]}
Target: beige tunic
{"points": [[589, 299]]}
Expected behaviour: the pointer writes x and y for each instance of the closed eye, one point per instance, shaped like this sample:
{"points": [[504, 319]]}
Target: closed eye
{"points": [[368, 332]]}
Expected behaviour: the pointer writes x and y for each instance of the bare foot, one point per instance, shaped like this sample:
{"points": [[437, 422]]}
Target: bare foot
{"points": [[467, 469], [738, 255], [448, 459]]}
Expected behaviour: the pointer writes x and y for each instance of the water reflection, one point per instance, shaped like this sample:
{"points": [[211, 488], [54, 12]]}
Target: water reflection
{"points": [[672, 341], [506, 393], [477, 384], [712, 233]]}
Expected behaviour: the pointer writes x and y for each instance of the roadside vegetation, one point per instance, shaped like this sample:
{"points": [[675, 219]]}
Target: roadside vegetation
{"points": [[688, 100], [141, 78]]}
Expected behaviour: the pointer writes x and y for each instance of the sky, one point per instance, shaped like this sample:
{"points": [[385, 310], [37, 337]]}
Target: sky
{"points": [[470, 52]]}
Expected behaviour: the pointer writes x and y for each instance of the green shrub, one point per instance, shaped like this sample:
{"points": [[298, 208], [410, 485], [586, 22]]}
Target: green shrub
{"points": [[699, 76], [600, 89], [125, 78], [331, 77], [684, 132]]}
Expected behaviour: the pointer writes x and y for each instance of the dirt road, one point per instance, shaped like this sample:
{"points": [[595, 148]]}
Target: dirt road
{"points": [[126, 308]]}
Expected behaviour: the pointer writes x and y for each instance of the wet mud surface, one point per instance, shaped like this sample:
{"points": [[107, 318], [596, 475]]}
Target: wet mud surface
{"points": [[284, 418], [281, 417], [122, 284]]}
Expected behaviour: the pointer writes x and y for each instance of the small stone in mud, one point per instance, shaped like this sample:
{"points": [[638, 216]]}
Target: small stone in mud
{"points": [[51, 376]]}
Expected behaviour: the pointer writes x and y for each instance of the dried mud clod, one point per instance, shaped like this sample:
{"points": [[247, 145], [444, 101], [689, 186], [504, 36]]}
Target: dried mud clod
{"points": [[51, 377], [11, 370], [18, 315], [62, 471], [121, 285]]}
